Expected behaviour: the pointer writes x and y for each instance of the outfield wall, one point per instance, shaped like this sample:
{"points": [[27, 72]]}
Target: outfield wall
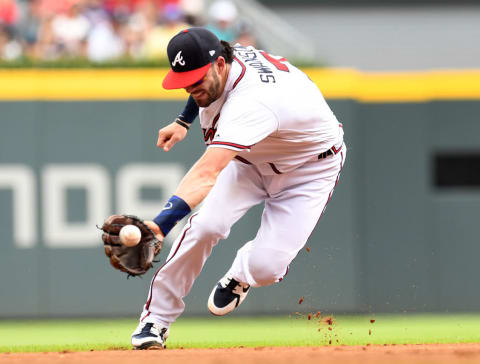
{"points": [[399, 234]]}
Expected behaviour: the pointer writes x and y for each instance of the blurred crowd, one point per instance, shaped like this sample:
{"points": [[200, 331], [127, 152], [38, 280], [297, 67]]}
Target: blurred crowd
{"points": [[103, 30]]}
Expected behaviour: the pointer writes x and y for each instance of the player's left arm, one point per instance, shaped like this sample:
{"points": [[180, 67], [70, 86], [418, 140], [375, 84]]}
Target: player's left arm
{"points": [[170, 135], [192, 190]]}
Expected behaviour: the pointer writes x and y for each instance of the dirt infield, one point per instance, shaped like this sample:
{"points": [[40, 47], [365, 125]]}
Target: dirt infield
{"points": [[391, 354]]}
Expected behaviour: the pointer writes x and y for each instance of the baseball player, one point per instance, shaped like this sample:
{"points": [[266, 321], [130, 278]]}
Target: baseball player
{"points": [[271, 138]]}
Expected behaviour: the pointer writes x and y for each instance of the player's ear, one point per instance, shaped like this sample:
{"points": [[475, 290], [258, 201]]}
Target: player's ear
{"points": [[220, 63]]}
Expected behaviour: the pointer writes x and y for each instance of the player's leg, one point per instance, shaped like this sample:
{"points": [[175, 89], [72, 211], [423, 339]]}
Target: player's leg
{"points": [[238, 188], [288, 220]]}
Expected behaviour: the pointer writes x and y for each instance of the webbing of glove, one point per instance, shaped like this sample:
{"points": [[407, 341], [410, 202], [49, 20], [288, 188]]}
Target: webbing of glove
{"points": [[136, 260]]}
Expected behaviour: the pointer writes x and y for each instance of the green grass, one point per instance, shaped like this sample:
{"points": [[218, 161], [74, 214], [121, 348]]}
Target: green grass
{"points": [[211, 332]]}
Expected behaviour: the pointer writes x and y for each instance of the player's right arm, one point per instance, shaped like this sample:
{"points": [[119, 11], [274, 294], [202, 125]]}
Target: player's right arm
{"points": [[200, 179], [192, 190], [176, 131]]}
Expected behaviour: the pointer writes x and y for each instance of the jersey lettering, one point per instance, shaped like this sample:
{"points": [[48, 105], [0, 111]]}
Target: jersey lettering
{"points": [[267, 78], [251, 59], [209, 134]]}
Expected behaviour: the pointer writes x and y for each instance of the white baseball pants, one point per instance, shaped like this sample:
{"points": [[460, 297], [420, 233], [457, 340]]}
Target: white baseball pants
{"points": [[294, 203]]}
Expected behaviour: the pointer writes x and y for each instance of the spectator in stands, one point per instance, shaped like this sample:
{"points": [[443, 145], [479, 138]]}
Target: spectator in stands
{"points": [[28, 26], [157, 39], [109, 29], [223, 17], [106, 40], [10, 42], [8, 13], [124, 6], [245, 34], [10, 48], [140, 23], [46, 9], [194, 11], [70, 32], [45, 47], [36, 27], [95, 12]]}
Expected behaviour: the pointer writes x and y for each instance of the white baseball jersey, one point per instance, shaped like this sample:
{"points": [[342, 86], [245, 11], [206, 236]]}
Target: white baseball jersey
{"points": [[279, 121], [271, 112]]}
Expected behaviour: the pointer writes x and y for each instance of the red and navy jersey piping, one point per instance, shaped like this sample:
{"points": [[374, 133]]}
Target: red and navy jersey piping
{"points": [[239, 146], [244, 69]]}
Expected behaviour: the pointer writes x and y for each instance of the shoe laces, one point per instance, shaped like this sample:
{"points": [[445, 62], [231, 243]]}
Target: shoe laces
{"points": [[233, 285], [151, 328]]}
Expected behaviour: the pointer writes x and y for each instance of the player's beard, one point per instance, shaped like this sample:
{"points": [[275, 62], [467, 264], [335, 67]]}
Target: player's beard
{"points": [[211, 94]]}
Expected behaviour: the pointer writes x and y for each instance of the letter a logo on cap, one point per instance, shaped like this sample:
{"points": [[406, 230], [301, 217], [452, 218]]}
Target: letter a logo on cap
{"points": [[179, 59]]}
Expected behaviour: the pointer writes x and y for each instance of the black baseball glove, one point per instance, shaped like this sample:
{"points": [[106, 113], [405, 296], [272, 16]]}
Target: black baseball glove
{"points": [[136, 260]]}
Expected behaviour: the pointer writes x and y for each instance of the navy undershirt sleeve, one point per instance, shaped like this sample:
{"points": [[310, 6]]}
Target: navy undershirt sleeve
{"points": [[190, 112]]}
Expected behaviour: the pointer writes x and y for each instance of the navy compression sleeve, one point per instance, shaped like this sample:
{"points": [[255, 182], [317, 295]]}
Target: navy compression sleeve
{"points": [[190, 112]]}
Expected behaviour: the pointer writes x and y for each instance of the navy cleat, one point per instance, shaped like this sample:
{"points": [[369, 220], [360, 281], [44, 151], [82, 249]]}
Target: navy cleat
{"points": [[149, 336], [227, 295]]}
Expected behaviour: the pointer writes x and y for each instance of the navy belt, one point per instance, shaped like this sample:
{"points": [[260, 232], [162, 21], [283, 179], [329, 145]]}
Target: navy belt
{"points": [[331, 151]]}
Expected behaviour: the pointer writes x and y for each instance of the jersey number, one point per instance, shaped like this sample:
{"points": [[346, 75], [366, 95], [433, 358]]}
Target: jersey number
{"points": [[276, 62]]}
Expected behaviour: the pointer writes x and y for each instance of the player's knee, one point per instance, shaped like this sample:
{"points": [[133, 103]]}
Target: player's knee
{"points": [[266, 270], [209, 227]]}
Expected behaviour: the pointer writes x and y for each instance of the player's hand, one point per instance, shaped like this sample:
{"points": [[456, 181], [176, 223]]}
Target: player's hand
{"points": [[170, 135], [156, 230]]}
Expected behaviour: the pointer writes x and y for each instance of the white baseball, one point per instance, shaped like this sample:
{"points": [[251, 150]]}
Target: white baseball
{"points": [[130, 235]]}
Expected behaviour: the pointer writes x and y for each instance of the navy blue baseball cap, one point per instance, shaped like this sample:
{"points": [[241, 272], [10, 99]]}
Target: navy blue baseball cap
{"points": [[191, 54]]}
